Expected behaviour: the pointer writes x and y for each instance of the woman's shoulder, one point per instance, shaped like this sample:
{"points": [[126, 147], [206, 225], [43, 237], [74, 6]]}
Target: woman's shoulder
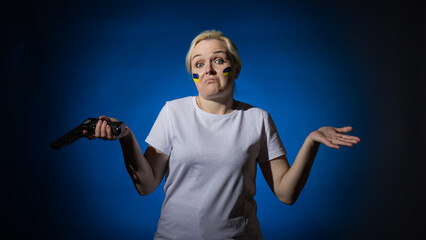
{"points": [[248, 108], [180, 102]]}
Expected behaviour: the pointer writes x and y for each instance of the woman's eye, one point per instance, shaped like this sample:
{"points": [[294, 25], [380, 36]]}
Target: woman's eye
{"points": [[198, 65], [219, 61]]}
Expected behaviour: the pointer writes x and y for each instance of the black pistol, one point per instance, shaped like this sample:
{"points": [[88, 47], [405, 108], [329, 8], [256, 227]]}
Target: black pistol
{"points": [[89, 125]]}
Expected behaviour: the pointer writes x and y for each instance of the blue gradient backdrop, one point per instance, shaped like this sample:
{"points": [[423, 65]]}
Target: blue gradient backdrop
{"points": [[309, 64]]}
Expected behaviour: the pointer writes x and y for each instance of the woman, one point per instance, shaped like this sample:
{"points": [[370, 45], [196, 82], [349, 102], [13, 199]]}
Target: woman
{"points": [[209, 146]]}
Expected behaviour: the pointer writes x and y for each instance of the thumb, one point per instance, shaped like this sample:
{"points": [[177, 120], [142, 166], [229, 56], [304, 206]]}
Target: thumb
{"points": [[344, 129], [109, 119]]}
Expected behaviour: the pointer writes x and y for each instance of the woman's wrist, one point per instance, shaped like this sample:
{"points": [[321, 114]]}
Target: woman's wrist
{"points": [[126, 135], [311, 141]]}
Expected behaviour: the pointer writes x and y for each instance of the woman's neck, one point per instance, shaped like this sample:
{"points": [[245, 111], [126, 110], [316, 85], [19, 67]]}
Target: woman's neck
{"points": [[216, 106]]}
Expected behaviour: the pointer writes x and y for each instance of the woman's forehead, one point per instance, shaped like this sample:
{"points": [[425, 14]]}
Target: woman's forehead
{"points": [[209, 47]]}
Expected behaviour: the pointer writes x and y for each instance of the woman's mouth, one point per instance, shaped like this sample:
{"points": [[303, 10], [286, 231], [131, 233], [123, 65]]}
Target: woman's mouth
{"points": [[211, 80]]}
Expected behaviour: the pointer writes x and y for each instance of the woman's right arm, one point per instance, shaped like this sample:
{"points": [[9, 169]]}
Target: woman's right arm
{"points": [[146, 170]]}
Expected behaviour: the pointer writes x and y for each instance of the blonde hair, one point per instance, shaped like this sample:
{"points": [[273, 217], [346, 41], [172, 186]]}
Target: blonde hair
{"points": [[218, 35]]}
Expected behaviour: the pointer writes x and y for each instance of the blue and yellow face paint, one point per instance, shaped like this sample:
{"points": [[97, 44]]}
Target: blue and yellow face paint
{"points": [[196, 77], [226, 71]]}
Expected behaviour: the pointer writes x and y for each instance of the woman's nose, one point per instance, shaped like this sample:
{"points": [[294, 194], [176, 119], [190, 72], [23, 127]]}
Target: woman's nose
{"points": [[210, 70]]}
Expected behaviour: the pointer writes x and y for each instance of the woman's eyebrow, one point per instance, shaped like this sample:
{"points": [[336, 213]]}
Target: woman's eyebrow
{"points": [[219, 51]]}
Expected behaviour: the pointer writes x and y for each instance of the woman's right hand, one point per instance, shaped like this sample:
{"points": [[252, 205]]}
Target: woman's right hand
{"points": [[103, 130]]}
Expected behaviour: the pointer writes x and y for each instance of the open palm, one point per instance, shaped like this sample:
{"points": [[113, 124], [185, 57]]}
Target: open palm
{"points": [[335, 137]]}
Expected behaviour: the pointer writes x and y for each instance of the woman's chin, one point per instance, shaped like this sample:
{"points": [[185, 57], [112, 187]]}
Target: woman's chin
{"points": [[214, 93], [211, 93]]}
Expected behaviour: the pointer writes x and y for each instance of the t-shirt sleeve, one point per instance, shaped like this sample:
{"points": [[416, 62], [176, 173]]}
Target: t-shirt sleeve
{"points": [[271, 145], [160, 134]]}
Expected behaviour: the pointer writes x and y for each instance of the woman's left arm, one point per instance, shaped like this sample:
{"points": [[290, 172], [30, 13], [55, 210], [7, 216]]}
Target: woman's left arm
{"points": [[287, 182]]}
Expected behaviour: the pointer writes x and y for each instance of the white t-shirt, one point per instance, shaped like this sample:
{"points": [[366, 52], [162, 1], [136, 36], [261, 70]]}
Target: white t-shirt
{"points": [[210, 182]]}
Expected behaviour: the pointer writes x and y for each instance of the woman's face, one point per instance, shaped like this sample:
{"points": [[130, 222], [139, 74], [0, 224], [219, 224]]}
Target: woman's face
{"points": [[212, 69]]}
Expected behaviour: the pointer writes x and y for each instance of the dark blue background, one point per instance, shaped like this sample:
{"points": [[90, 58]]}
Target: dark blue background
{"points": [[309, 64]]}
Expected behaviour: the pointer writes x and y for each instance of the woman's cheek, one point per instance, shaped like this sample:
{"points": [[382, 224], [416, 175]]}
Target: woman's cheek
{"points": [[196, 77], [226, 71]]}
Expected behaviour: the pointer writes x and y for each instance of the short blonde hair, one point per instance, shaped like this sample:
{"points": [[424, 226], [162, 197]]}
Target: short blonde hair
{"points": [[218, 35]]}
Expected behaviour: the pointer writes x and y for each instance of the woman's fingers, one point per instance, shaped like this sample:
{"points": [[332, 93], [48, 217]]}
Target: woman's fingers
{"points": [[98, 129], [354, 140], [109, 119], [336, 137], [102, 129], [104, 118], [109, 132], [106, 132], [329, 143], [344, 129], [344, 137], [85, 132], [343, 143], [349, 137]]}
